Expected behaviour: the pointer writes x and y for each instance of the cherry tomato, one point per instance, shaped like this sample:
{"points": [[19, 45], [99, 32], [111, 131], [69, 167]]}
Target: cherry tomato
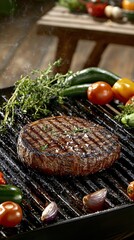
{"points": [[130, 190], [100, 93], [10, 214], [2, 180], [130, 101]]}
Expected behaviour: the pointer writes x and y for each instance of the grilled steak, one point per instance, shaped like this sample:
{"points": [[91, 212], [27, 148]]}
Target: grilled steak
{"points": [[67, 145]]}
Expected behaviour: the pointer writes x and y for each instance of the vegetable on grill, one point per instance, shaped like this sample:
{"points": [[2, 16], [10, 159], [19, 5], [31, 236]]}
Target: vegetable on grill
{"points": [[130, 190], [10, 214], [91, 75], [76, 90], [128, 120], [100, 93], [130, 101], [10, 193], [2, 180], [95, 201], [50, 212], [123, 89], [127, 115]]}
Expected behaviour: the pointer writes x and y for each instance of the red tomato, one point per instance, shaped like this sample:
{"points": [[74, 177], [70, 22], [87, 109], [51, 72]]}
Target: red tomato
{"points": [[96, 9], [130, 190], [10, 214], [100, 93], [2, 180], [130, 101]]}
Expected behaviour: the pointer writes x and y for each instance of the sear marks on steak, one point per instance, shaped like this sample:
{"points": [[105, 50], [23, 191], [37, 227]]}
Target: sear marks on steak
{"points": [[67, 145]]}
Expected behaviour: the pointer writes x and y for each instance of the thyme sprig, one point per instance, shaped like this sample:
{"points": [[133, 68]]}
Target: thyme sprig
{"points": [[33, 94]]}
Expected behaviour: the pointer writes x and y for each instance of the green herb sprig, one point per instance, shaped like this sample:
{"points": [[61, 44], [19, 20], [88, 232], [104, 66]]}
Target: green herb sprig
{"points": [[126, 116], [80, 130], [33, 94]]}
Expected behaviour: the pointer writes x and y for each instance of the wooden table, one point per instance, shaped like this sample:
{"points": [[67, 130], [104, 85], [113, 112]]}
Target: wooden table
{"points": [[70, 28]]}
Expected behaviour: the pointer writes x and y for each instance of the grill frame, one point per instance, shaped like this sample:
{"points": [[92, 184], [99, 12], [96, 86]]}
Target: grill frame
{"points": [[107, 226], [69, 213]]}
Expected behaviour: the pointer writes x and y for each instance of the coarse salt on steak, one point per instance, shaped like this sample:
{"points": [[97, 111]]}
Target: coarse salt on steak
{"points": [[67, 145]]}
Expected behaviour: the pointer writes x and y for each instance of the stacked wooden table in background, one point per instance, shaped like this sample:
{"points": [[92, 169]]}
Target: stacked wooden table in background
{"points": [[70, 28]]}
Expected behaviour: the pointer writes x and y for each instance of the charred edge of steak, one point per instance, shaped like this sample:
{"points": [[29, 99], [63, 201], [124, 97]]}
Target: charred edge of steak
{"points": [[67, 145]]}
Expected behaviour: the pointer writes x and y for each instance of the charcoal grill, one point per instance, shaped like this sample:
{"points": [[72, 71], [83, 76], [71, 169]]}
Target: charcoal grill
{"points": [[114, 222]]}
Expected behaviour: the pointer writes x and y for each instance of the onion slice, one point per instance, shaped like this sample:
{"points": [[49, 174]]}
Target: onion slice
{"points": [[95, 201]]}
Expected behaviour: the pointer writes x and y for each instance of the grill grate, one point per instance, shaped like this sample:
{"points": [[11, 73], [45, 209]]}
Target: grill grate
{"points": [[67, 192]]}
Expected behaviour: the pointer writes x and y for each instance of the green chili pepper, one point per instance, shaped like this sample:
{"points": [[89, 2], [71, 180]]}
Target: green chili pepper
{"points": [[10, 193], [75, 91], [91, 75]]}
